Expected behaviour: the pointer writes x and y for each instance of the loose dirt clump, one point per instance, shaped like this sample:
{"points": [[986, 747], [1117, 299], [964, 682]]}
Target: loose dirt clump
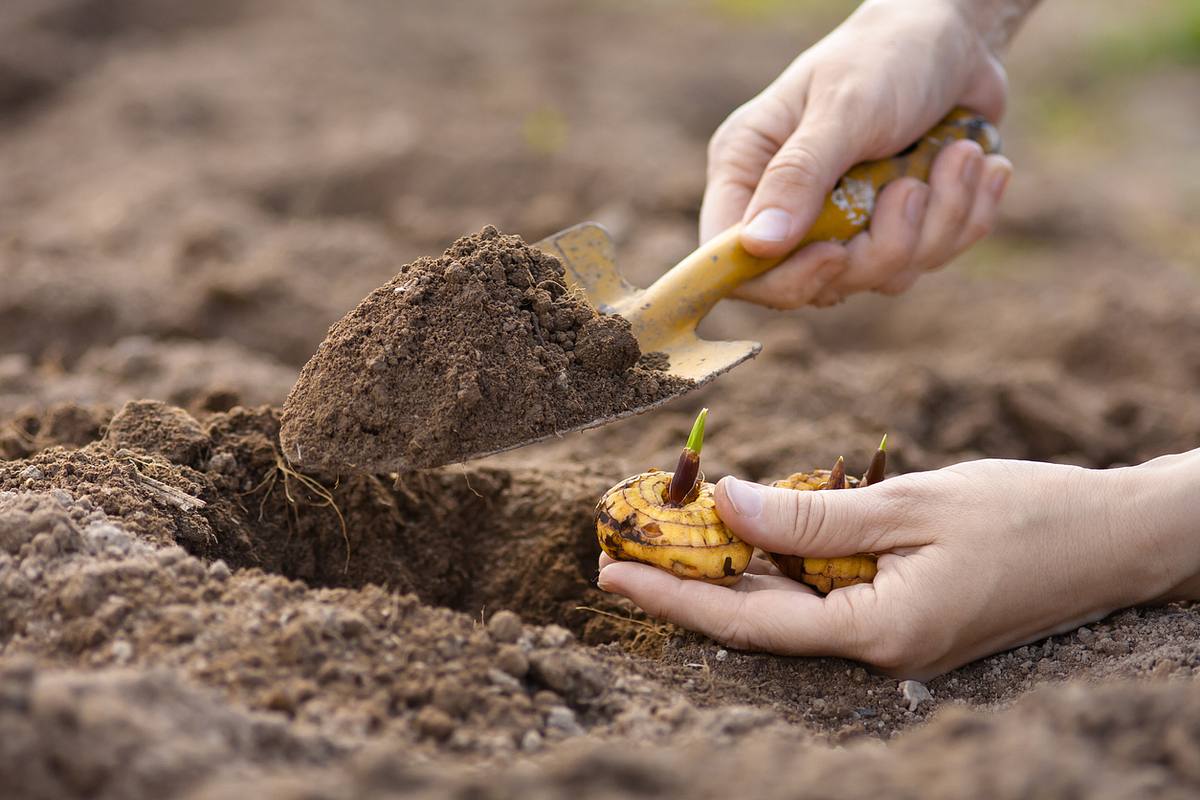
{"points": [[475, 351]]}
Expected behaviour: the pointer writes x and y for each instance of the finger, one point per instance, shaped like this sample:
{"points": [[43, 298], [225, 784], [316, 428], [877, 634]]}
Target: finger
{"points": [[953, 181], [900, 283], [996, 173], [760, 573], [989, 93], [786, 622], [757, 582], [887, 247], [795, 282], [819, 524], [738, 153], [760, 565], [829, 296], [793, 186]]}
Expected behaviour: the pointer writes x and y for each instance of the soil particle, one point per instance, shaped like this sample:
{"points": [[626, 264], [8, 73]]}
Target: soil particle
{"points": [[154, 427], [475, 351], [504, 626]]}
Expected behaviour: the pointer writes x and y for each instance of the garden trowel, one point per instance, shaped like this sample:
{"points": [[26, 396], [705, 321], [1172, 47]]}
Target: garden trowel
{"points": [[665, 315]]}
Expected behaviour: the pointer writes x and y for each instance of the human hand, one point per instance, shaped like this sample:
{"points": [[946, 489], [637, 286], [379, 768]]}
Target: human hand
{"points": [[975, 558], [867, 90]]}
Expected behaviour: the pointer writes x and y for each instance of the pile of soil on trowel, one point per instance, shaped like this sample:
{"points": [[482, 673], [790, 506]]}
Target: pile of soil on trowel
{"points": [[483, 348]]}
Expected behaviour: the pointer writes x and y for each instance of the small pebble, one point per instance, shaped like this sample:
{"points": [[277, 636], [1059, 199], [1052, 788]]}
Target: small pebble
{"points": [[1164, 668], [1085, 635], [219, 571], [171, 555], [563, 719], [503, 679], [504, 626], [722, 654], [122, 651], [223, 463], [513, 661], [32, 473], [556, 636], [914, 693], [434, 723], [531, 742]]}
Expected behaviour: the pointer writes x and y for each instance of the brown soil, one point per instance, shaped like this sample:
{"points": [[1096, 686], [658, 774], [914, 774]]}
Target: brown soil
{"points": [[467, 354], [193, 193]]}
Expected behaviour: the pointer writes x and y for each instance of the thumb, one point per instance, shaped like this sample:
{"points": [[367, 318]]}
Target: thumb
{"points": [[793, 186], [816, 524]]}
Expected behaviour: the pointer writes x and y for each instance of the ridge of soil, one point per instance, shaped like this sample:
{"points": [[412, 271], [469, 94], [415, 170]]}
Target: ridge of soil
{"points": [[476, 351]]}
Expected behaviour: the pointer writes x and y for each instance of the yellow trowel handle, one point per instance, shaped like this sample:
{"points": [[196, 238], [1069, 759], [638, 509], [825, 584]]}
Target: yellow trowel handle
{"points": [[677, 302]]}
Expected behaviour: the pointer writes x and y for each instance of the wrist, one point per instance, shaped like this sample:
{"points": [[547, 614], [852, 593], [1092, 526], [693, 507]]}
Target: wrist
{"points": [[1158, 511], [995, 21]]}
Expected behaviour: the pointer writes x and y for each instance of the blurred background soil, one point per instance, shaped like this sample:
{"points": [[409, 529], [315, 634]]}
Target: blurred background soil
{"points": [[191, 193]]}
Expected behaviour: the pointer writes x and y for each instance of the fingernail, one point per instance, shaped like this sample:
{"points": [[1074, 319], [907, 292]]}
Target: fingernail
{"points": [[971, 169], [769, 225], [998, 183], [745, 497], [914, 205], [600, 579]]}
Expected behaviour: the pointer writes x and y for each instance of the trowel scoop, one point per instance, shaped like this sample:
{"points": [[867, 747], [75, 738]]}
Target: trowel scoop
{"points": [[317, 432]]}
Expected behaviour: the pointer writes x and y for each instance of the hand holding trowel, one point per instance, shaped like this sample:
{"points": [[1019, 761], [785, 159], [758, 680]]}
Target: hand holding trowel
{"points": [[325, 424]]}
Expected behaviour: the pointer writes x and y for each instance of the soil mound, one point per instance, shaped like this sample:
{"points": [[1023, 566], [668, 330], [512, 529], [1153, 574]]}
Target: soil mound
{"points": [[475, 351]]}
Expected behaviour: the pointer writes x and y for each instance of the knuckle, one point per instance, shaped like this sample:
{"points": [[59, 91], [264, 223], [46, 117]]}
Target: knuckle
{"points": [[737, 157], [977, 228], [828, 297], [749, 137], [790, 296], [908, 644], [894, 286], [957, 211], [887, 645], [890, 651], [889, 255], [718, 142], [733, 630], [856, 620], [807, 511], [895, 508], [795, 167]]}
